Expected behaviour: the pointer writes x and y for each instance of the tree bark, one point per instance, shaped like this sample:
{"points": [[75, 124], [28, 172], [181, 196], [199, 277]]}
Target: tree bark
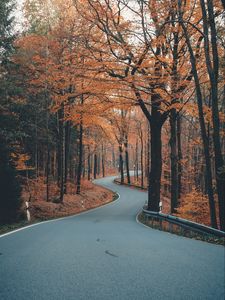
{"points": [[127, 159], [212, 68], [103, 161], [142, 158], [113, 157], [155, 168], [137, 161], [174, 160], [121, 164], [179, 152], [80, 159], [61, 153], [89, 163], [201, 120], [67, 152], [95, 165]]}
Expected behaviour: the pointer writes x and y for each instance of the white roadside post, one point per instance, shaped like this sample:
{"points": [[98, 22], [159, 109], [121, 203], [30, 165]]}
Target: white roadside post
{"points": [[27, 209], [160, 206]]}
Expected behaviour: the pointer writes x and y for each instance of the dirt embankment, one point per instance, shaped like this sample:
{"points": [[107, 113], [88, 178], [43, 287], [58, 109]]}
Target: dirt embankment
{"points": [[91, 196]]}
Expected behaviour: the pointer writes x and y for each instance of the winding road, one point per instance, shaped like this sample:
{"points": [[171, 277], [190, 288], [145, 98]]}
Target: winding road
{"points": [[106, 254]]}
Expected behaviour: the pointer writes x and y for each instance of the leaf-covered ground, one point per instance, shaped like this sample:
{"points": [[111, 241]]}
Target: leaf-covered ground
{"points": [[91, 196]]}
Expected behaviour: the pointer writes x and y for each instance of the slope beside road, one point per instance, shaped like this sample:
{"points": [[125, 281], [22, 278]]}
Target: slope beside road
{"points": [[106, 254]]}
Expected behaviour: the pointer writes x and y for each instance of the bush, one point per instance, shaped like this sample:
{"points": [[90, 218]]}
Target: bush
{"points": [[10, 190]]}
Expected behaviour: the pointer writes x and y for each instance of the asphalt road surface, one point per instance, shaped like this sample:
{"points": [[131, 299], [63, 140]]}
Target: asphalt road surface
{"points": [[106, 254]]}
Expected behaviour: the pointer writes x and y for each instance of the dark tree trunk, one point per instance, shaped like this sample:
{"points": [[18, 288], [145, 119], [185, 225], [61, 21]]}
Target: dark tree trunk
{"points": [[67, 153], [202, 122], [61, 153], [103, 161], [213, 68], [142, 158], [47, 172], [174, 160], [95, 165], [137, 162], [58, 163], [127, 159], [113, 157], [148, 155], [80, 159], [156, 167], [84, 164], [121, 164], [179, 151], [219, 161], [48, 153], [36, 148], [89, 163], [99, 164]]}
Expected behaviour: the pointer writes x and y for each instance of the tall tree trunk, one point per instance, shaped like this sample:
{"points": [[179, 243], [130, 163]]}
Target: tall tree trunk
{"points": [[201, 120], [84, 163], [179, 152], [121, 164], [137, 161], [36, 147], [89, 163], [213, 69], [127, 159], [59, 166], [48, 152], [148, 154], [67, 152], [61, 152], [103, 161], [95, 165], [174, 160], [142, 158], [156, 167], [80, 159], [98, 164], [113, 157], [47, 172]]}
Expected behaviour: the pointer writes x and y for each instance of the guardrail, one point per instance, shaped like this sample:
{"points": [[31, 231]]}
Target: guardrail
{"points": [[182, 223], [185, 225]]}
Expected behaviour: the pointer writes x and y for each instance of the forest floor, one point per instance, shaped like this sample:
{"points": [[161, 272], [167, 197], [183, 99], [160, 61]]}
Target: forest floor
{"points": [[91, 196]]}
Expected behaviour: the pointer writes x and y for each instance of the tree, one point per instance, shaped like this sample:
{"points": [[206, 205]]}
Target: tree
{"points": [[201, 115], [138, 54], [10, 189], [9, 130], [212, 63]]}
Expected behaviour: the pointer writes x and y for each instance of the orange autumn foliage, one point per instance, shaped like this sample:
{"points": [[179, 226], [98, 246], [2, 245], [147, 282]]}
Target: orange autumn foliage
{"points": [[194, 206]]}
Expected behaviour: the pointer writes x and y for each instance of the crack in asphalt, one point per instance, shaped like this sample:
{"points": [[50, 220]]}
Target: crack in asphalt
{"points": [[111, 254]]}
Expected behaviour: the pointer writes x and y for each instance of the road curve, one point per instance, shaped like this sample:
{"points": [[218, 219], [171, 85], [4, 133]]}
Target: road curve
{"points": [[106, 254]]}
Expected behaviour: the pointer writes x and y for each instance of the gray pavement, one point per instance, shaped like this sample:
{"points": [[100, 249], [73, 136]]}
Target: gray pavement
{"points": [[106, 254]]}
